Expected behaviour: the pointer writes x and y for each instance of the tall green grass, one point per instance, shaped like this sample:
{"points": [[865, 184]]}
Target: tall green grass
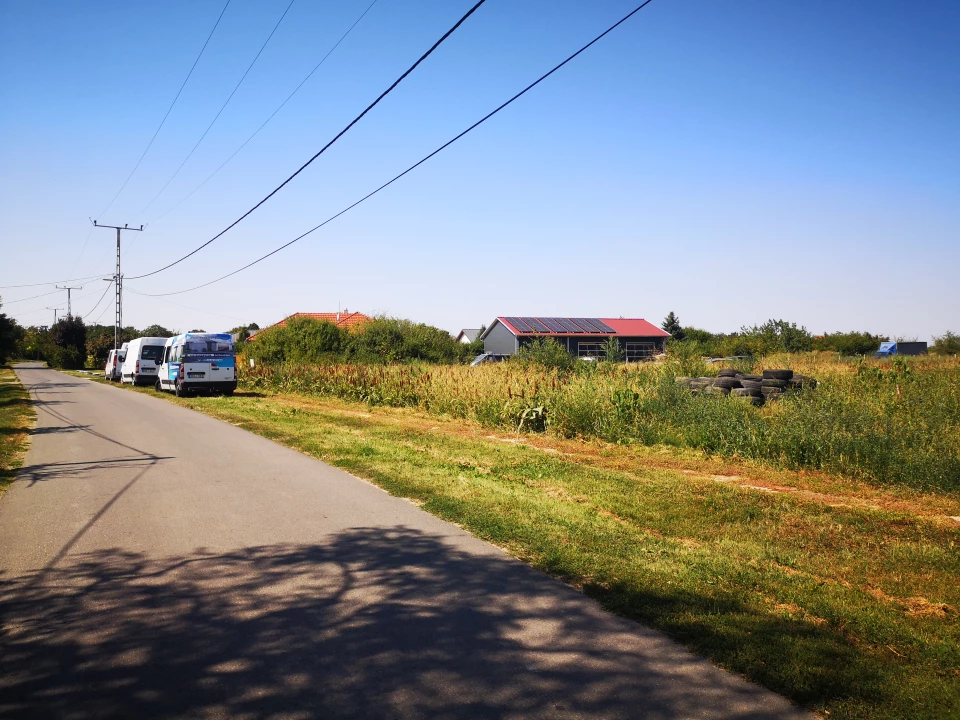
{"points": [[885, 423]]}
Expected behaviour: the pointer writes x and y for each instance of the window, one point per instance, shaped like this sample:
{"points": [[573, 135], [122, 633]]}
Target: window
{"points": [[637, 351], [151, 352], [591, 349]]}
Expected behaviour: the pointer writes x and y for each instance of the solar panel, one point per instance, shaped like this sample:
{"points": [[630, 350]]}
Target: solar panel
{"points": [[535, 324], [567, 325], [554, 324], [519, 324], [574, 323], [602, 325], [587, 325]]}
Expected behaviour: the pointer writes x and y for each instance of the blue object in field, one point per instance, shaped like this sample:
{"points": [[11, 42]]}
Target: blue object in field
{"points": [[902, 347], [886, 349]]}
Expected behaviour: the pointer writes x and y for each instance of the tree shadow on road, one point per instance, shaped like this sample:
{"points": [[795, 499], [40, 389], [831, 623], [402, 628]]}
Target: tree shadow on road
{"points": [[377, 623]]}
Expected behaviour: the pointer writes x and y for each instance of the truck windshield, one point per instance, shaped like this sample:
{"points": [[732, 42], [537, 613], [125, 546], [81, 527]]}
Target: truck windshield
{"points": [[151, 352]]}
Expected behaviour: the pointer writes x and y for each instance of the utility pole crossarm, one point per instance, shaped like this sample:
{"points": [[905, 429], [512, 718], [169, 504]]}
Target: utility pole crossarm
{"points": [[68, 289]]}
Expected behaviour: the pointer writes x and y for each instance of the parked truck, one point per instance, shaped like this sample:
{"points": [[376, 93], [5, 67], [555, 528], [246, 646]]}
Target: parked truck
{"points": [[889, 349]]}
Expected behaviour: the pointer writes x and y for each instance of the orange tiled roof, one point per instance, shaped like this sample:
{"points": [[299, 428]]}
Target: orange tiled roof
{"points": [[344, 319]]}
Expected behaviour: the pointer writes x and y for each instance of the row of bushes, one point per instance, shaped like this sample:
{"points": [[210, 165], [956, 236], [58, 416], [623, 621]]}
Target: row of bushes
{"points": [[382, 340], [896, 424]]}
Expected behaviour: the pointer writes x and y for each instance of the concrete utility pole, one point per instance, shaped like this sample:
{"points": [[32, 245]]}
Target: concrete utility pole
{"points": [[54, 314], [118, 281], [68, 289]]}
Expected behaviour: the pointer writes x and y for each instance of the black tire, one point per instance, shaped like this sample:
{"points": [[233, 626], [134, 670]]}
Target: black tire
{"points": [[727, 382], [777, 374], [758, 378], [757, 401], [178, 391], [727, 372], [752, 384], [228, 393], [771, 383], [740, 392]]}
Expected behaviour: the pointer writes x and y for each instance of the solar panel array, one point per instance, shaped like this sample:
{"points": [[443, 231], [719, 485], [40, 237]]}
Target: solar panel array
{"points": [[546, 326]]}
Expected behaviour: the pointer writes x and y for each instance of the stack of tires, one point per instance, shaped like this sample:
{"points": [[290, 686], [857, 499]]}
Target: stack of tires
{"points": [[757, 389]]}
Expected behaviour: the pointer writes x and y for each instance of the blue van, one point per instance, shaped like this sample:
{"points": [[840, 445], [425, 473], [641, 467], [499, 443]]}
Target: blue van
{"points": [[198, 363]]}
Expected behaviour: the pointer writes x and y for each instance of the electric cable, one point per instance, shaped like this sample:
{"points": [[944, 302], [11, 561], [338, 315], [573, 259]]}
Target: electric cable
{"points": [[222, 108], [105, 307], [323, 149], [94, 308], [187, 307], [279, 108], [164, 120], [53, 282], [420, 162], [32, 297]]}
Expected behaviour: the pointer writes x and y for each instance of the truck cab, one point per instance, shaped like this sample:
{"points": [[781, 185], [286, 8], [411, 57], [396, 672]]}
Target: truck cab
{"points": [[887, 349], [198, 363]]}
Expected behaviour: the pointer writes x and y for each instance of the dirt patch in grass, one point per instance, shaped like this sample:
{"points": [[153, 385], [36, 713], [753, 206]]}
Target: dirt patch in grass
{"points": [[17, 417]]}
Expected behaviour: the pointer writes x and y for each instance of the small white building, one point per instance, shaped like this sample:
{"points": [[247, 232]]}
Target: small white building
{"points": [[468, 335]]}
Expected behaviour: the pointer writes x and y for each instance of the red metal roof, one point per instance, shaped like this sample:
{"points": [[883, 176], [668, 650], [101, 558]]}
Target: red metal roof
{"points": [[628, 327]]}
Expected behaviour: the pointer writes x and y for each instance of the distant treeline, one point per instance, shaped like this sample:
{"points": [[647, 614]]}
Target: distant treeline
{"points": [[773, 336], [383, 339]]}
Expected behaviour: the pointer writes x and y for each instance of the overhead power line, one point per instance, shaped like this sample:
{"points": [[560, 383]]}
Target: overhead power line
{"points": [[51, 282], [94, 308], [222, 108], [187, 307], [279, 108], [418, 163], [165, 116], [303, 167], [32, 297]]}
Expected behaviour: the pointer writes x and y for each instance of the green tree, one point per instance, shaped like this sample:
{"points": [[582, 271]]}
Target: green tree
{"points": [[612, 352], [156, 331], [671, 324], [69, 337], [946, 344], [775, 336], [849, 343], [546, 352], [10, 336], [100, 341]]}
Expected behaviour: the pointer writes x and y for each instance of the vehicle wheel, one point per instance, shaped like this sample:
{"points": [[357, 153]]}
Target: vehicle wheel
{"points": [[228, 393], [158, 387], [777, 374], [178, 391]]}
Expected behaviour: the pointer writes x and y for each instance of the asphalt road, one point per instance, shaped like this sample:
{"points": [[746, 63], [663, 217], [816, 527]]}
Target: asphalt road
{"points": [[158, 563]]}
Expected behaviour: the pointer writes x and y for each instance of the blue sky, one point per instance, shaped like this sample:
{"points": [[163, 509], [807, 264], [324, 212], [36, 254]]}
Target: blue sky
{"points": [[731, 162]]}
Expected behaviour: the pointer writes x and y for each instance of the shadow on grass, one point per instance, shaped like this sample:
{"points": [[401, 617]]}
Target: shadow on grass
{"points": [[13, 402], [376, 623]]}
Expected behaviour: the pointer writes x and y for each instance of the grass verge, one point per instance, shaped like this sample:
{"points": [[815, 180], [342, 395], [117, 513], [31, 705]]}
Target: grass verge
{"points": [[16, 418], [843, 597]]}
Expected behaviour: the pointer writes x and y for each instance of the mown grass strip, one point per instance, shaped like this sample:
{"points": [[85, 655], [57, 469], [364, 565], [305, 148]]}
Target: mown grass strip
{"points": [[847, 610], [17, 417]]}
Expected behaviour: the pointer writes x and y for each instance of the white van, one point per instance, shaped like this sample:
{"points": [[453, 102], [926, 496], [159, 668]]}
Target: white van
{"points": [[111, 370], [198, 362], [142, 360]]}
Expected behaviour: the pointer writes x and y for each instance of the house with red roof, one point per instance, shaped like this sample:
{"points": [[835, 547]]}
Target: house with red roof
{"points": [[582, 337], [345, 319]]}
